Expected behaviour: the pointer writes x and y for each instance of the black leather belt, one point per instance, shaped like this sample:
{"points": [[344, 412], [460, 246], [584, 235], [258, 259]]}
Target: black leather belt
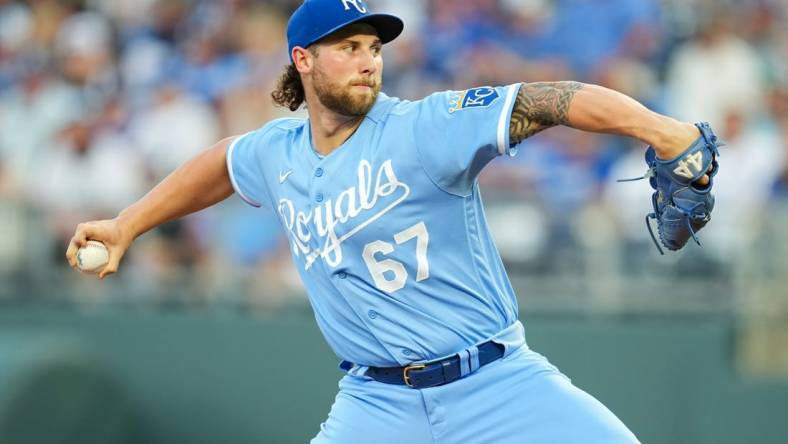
{"points": [[433, 374]]}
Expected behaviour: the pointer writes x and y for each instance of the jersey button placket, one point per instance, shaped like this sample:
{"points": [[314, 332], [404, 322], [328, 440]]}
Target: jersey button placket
{"points": [[319, 197]]}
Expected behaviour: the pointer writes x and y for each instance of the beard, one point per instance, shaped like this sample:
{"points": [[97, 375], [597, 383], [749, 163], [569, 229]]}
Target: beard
{"points": [[340, 99]]}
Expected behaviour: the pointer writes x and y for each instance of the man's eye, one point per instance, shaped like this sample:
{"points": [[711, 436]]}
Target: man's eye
{"points": [[376, 50], [349, 48]]}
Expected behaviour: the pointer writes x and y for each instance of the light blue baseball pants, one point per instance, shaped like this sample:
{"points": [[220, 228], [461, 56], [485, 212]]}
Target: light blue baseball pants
{"points": [[521, 398]]}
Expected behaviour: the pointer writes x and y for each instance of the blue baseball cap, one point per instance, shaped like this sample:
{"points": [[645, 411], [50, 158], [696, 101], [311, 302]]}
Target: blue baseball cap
{"points": [[316, 19]]}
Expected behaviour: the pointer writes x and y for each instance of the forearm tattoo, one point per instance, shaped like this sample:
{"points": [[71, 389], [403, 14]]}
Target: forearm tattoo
{"points": [[540, 106]]}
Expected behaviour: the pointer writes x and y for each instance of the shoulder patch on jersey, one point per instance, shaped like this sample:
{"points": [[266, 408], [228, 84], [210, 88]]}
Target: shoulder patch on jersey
{"points": [[473, 98]]}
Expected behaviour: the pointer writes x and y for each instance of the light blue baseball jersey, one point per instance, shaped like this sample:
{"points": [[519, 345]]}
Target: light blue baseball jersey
{"points": [[388, 231]]}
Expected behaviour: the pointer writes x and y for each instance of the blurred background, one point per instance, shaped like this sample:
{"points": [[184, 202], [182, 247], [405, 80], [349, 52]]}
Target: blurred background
{"points": [[196, 339]]}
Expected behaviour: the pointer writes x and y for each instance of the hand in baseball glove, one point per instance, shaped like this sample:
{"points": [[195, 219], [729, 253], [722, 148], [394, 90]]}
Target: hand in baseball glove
{"points": [[681, 206]]}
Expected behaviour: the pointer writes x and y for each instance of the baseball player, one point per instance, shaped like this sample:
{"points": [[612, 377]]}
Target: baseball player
{"points": [[380, 202]]}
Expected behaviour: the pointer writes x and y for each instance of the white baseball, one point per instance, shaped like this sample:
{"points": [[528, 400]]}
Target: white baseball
{"points": [[92, 257]]}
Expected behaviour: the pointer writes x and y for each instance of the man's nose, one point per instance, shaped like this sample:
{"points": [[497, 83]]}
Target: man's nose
{"points": [[367, 62]]}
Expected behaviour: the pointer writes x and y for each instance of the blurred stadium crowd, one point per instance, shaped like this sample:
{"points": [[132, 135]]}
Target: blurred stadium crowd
{"points": [[100, 99]]}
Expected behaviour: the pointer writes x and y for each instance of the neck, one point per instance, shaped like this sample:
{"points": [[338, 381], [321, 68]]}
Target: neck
{"points": [[329, 129]]}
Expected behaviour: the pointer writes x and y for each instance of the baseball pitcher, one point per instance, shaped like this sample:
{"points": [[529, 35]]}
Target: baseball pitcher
{"points": [[380, 202]]}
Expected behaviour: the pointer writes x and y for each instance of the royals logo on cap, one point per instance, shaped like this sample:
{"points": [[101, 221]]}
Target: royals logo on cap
{"points": [[358, 4], [316, 19]]}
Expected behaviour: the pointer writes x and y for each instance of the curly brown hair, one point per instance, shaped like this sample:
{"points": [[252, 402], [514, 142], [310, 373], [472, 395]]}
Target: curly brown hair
{"points": [[289, 92]]}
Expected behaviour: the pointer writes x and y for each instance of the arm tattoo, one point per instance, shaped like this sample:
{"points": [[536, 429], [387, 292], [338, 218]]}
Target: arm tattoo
{"points": [[540, 106]]}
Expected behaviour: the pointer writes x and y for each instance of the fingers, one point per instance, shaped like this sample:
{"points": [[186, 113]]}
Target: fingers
{"points": [[102, 231], [703, 181], [115, 255], [78, 241], [71, 253]]}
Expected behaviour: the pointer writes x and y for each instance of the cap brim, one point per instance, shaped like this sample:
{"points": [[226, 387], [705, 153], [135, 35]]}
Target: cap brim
{"points": [[389, 27]]}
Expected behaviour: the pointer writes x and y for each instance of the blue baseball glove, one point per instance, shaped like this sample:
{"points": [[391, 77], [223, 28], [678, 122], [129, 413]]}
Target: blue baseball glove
{"points": [[681, 207]]}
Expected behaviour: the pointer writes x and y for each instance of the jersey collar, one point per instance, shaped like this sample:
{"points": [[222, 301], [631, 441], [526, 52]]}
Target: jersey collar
{"points": [[375, 115], [381, 108]]}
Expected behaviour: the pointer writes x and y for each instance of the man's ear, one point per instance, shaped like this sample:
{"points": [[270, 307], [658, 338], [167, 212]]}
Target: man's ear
{"points": [[303, 59]]}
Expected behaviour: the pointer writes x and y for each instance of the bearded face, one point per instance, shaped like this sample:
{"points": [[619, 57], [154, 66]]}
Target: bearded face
{"points": [[353, 98]]}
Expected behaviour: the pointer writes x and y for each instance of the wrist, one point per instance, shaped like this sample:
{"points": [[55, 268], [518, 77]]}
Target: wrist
{"points": [[673, 138], [127, 225]]}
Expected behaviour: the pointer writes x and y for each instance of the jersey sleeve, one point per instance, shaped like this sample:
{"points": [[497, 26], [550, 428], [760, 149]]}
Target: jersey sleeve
{"points": [[245, 167], [459, 132]]}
